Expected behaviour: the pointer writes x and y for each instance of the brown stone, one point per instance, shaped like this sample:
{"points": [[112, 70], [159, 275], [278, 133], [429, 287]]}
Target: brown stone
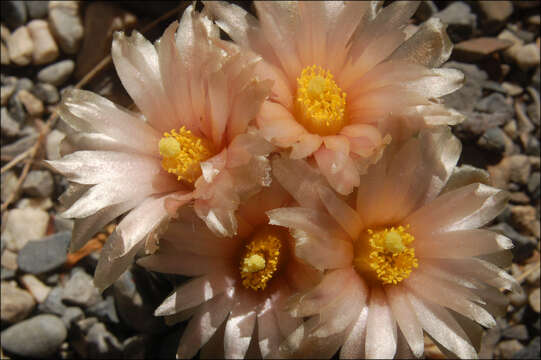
{"points": [[20, 46], [45, 48], [514, 168], [479, 48], [32, 104], [101, 20], [497, 11], [525, 219]]}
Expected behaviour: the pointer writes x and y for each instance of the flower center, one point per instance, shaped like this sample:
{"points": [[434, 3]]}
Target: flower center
{"points": [[182, 152], [386, 255], [321, 103], [261, 257]]}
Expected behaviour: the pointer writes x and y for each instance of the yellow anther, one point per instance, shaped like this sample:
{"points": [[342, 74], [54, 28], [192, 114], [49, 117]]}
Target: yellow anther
{"points": [[321, 103], [182, 152], [386, 255], [261, 258], [253, 263]]}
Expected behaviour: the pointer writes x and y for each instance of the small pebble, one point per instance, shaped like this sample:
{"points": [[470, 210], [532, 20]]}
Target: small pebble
{"points": [[80, 290], [524, 218], [66, 25], [23, 225], [527, 57], [38, 337], [512, 89], [37, 9], [496, 140], [9, 259], [45, 48], [534, 300], [38, 183], [53, 303], [9, 184], [44, 203], [20, 46], [10, 127], [46, 93], [33, 105], [14, 13], [52, 144], [16, 303], [39, 290], [46, 254], [5, 94], [23, 84], [72, 315], [518, 332], [58, 73], [509, 347]]}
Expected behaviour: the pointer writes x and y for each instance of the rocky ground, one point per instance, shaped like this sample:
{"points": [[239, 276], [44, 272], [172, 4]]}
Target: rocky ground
{"points": [[49, 306]]}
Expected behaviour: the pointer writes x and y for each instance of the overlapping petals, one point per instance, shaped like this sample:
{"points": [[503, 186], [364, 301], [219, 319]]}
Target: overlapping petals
{"points": [[384, 76], [189, 79], [407, 187]]}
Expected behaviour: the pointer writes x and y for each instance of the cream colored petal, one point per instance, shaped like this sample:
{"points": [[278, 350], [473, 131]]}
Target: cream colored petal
{"points": [[429, 46], [322, 253], [439, 324], [466, 175], [354, 345], [268, 331], [136, 62], [245, 146], [380, 327], [443, 82], [89, 112], [195, 292], [81, 141], [406, 319], [278, 125], [461, 243], [203, 325], [469, 207], [306, 145]]}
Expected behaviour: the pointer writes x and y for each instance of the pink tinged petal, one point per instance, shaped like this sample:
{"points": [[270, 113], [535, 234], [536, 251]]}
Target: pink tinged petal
{"points": [[354, 345], [439, 324], [244, 147], [278, 125], [246, 106], [96, 141], [240, 326], [363, 138], [218, 96], [93, 167], [286, 323], [140, 223], [281, 91], [279, 22], [461, 244], [311, 36], [339, 170], [84, 229], [300, 180], [208, 318], [311, 302], [195, 292], [469, 207], [341, 212], [406, 319], [137, 64], [88, 112], [451, 296], [182, 263], [175, 78], [340, 145], [305, 146], [214, 348], [429, 46], [109, 269], [269, 335], [380, 327]]}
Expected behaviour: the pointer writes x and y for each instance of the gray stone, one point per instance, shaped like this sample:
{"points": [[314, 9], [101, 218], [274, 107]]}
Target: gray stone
{"points": [[80, 290], [72, 315], [37, 9], [23, 84], [23, 225], [53, 303], [533, 147], [16, 303], [38, 337], [104, 310], [13, 13], [509, 347], [16, 109], [5, 93], [38, 183], [46, 93], [476, 123], [533, 183], [495, 103], [10, 127], [63, 224], [102, 344], [465, 98], [496, 140], [519, 332], [134, 347], [45, 255], [66, 24], [529, 352], [460, 20], [57, 74]]}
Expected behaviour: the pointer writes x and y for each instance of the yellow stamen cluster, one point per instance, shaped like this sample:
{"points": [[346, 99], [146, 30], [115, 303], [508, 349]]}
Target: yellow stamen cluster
{"points": [[321, 103], [261, 258], [389, 255], [182, 152]]}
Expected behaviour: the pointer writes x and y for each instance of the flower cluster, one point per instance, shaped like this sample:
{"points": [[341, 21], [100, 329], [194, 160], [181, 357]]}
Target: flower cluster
{"points": [[303, 173]]}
